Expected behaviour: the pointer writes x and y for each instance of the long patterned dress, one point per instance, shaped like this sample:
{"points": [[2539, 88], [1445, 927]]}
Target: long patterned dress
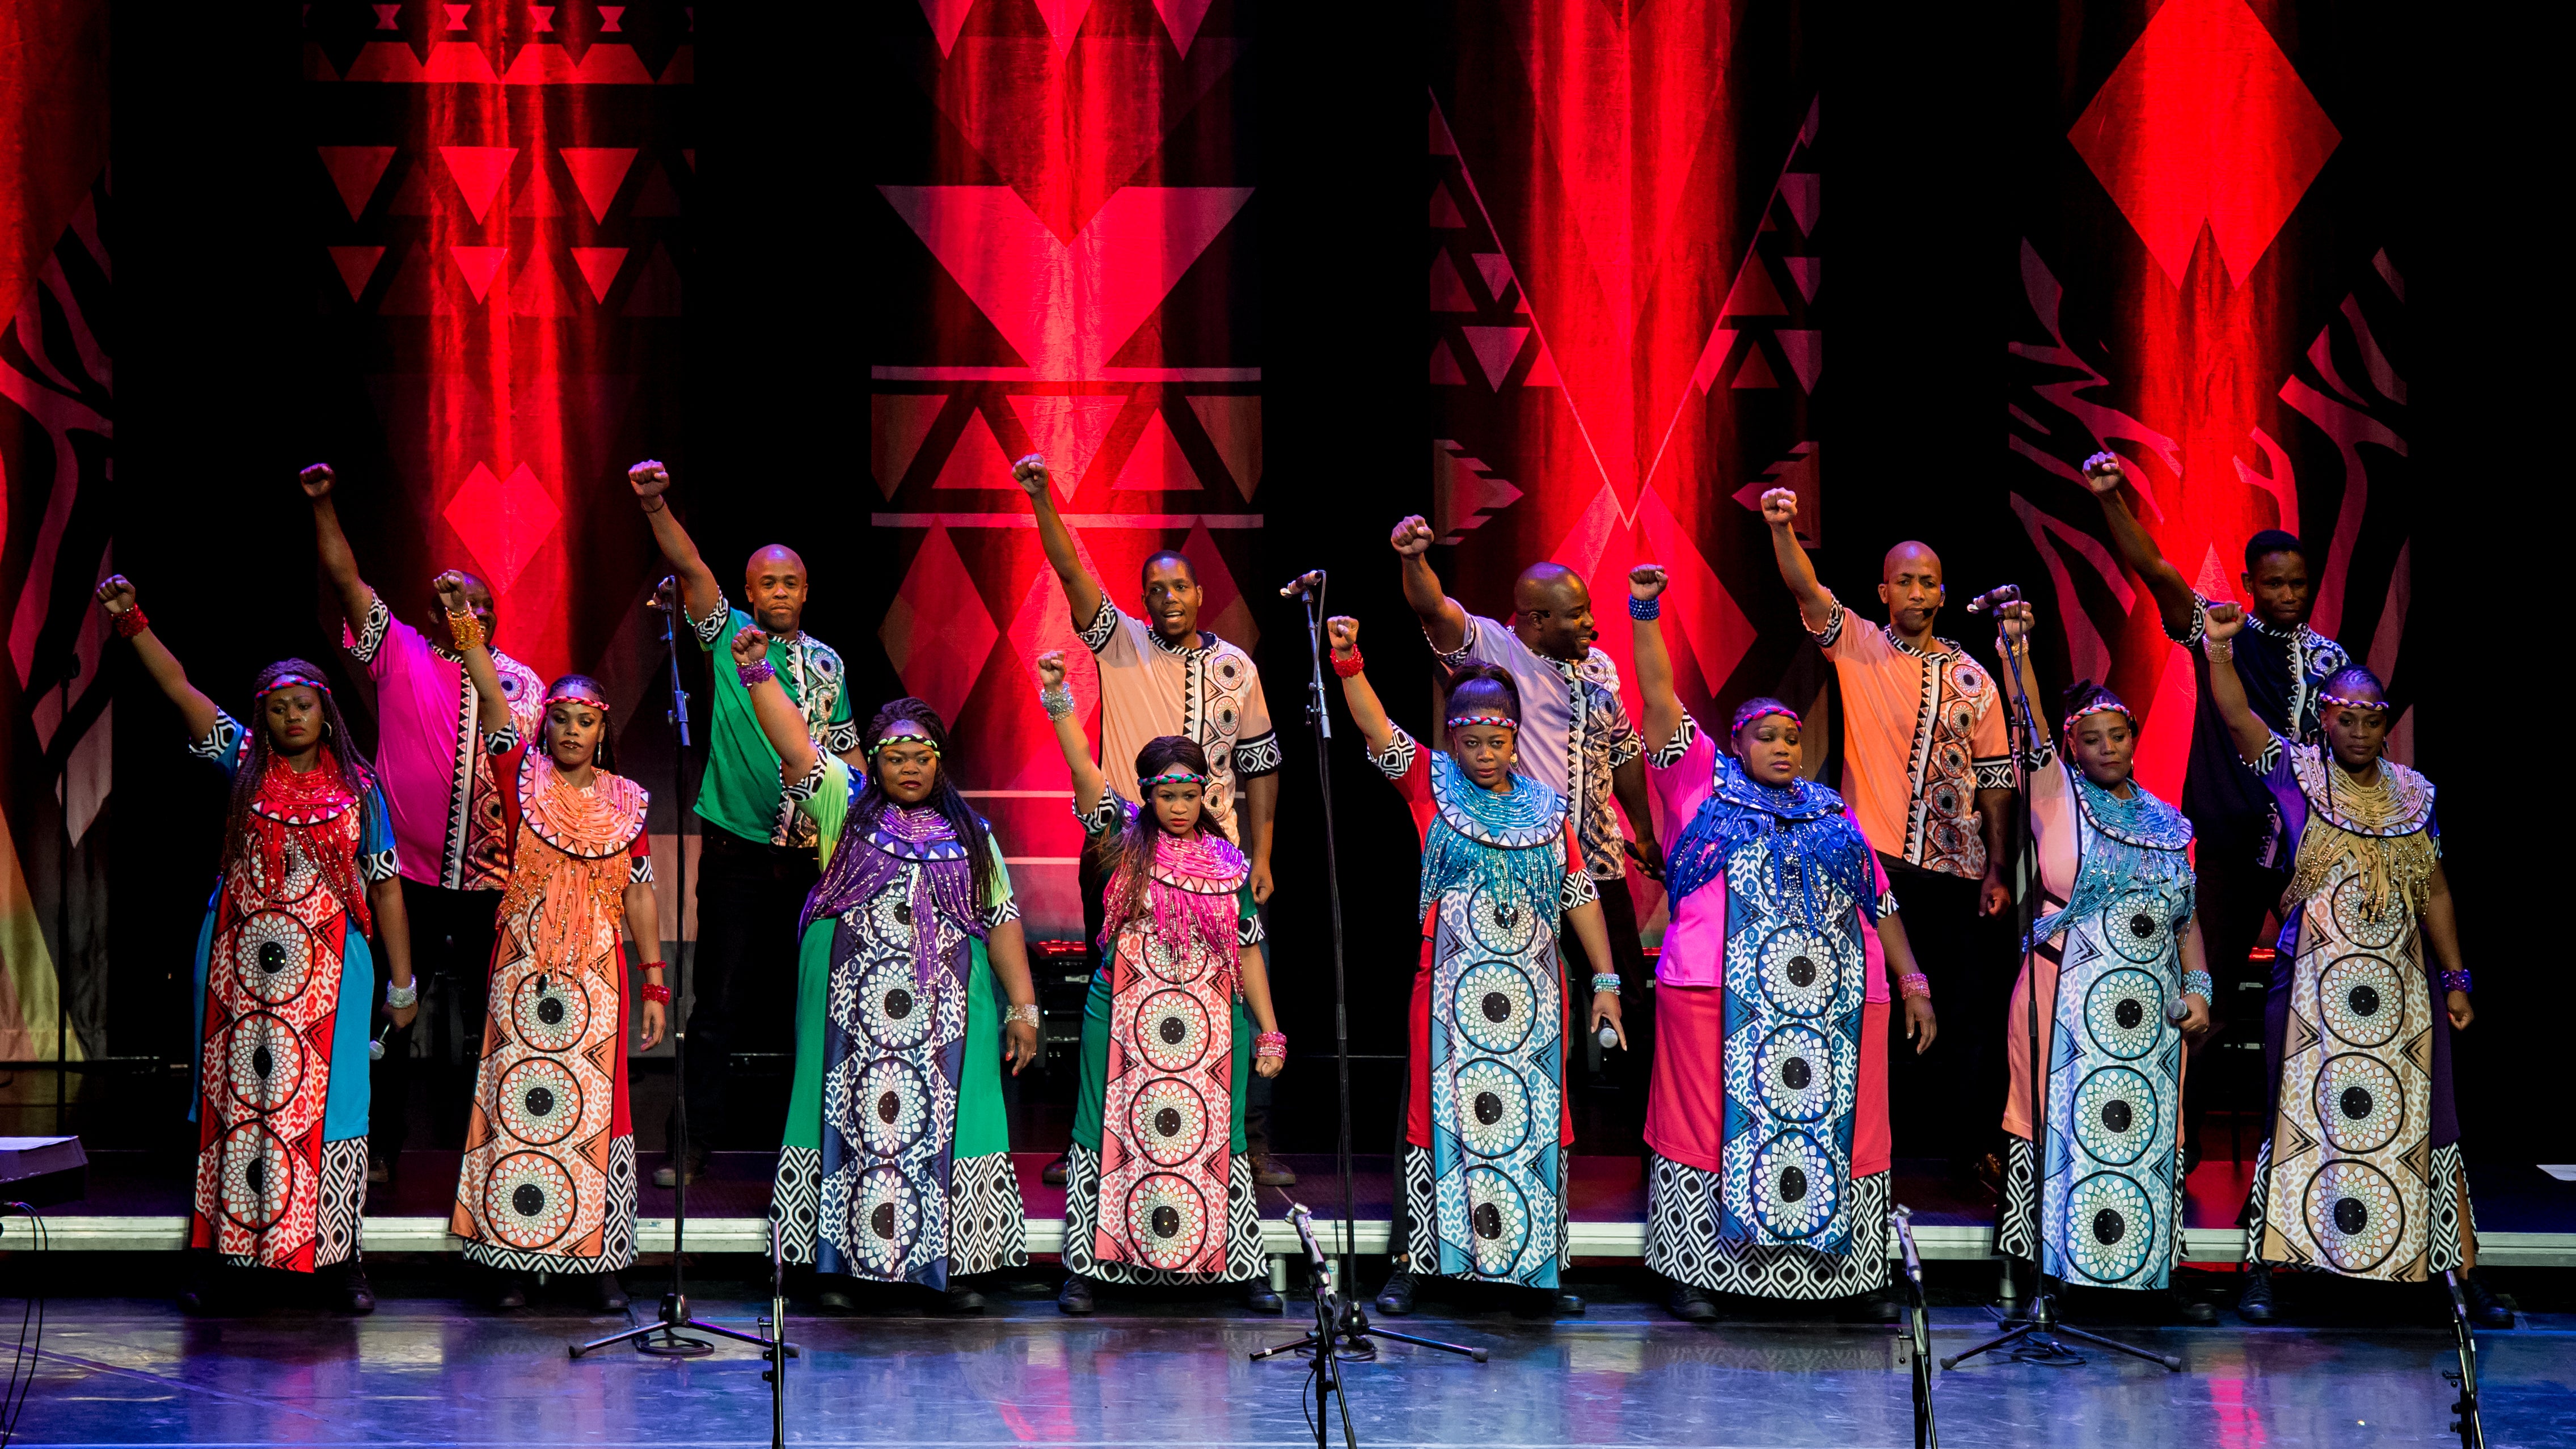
{"points": [[2108, 957], [1768, 1158], [2361, 1175], [1486, 1123], [896, 1165], [1158, 1182], [548, 1180], [285, 991]]}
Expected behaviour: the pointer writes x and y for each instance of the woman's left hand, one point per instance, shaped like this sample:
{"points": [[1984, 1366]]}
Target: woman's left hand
{"points": [[2457, 1003], [1019, 1044], [649, 1030], [401, 1016], [2196, 1020], [1268, 1066], [1605, 1007], [1920, 1024]]}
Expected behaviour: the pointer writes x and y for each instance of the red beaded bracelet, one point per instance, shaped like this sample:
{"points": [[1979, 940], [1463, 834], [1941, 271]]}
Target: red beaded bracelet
{"points": [[656, 991], [1914, 983], [1346, 668], [131, 623]]}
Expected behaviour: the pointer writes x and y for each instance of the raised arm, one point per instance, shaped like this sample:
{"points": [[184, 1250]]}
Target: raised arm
{"points": [[1654, 663], [1344, 633], [779, 718], [1088, 783], [2104, 475], [1815, 605], [196, 712], [699, 590], [1443, 622], [491, 706], [1081, 590], [2253, 737], [331, 547]]}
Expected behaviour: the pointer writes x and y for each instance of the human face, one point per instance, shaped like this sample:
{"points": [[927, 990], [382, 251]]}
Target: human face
{"points": [[774, 585], [1911, 588], [1485, 752], [293, 717], [1176, 808], [906, 764], [572, 732], [2355, 735], [1559, 625], [1768, 747], [2279, 584], [1172, 599], [478, 599], [2105, 746]]}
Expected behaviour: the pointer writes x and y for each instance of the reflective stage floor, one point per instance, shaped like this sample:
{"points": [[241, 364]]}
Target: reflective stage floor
{"points": [[427, 1370]]}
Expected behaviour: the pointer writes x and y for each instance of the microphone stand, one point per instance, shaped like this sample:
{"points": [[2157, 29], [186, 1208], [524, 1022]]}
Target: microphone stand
{"points": [[662, 1337], [1351, 1332], [2033, 1339], [2471, 1428], [1918, 1330]]}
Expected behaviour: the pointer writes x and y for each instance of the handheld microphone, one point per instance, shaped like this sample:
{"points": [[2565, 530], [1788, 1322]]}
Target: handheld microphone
{"points": [[2176, 1010], [1999, 594], [1608, 1036], [1302, 585]]}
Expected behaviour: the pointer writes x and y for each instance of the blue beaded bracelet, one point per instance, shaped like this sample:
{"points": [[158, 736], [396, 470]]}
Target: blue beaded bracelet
{"points": [[1645, 610], [2455, 980], [1605, 981], [2196, 983]]}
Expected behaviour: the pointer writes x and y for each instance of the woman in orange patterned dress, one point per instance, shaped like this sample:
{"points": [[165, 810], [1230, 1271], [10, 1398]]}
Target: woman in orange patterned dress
{"points": [[548, 1183]]}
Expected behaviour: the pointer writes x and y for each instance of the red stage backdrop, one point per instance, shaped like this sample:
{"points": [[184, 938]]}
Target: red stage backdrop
{"points": [[1625, 264], [56, 446], [1071, 238], [2212, 283]]}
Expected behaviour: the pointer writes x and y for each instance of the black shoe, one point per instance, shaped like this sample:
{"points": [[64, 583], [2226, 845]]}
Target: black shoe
{"points": [[356, 1295], [607, 1295], [2485, 1309], [199, 1294], [1395, 1300], [1547, 1303], [668, 1174], [961, 1301], [835, 1301], [2180, 1307], [1882, 1306], [1054, 1174], [1690, 1304], [1269, 1171], [380, 1172], [1075, 1298], [508, 1290], [2254, 1302], [1258, 1296]]}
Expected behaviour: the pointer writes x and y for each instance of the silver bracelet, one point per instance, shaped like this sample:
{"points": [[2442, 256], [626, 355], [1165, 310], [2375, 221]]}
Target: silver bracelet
{"points": [[1027, 1011], [1058, 699], [399, 997]]}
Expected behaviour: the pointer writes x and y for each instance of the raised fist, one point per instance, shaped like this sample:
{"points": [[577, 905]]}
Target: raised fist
{"points": [[1051, 668], [450, 588], [2221, 621], [2017, 618], [1343, 633], [750, 646], [115, 594], [2103, 473], [316, 480], [1780, 507], [1646, 581], [649, 479], [1411, 536], [1031, 474]]}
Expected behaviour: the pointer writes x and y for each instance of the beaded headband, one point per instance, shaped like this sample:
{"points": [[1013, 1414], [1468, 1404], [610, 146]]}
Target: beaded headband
{"points": [[2324, 698], [290, 681], [1172, 777], [1752, 710], [1461, 721], [571, 697], [882, 741], [2099, 706]]}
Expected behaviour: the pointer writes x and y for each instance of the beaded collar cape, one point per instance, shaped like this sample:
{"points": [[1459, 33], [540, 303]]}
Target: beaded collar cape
{"points": [[1526, 815], [587, 824]]}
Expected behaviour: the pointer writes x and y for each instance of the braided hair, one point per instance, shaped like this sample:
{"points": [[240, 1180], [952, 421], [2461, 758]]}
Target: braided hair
{"points": [[972, 832], [1477, 686], [1128, 854], [355, 773]]}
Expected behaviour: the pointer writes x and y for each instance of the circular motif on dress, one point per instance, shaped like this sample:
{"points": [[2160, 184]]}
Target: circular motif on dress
{"points": [[1502, 919], [2124, 1012], [300, 871], [1494, 1006], [553, 1019], [1795, 1074], [2116, 1115], [1224, 670], [895, 1010], [1167, 1220], [2361, 999], [2361, 925], [2134, 924], [2110, 1227], [1493, 1108], [1179, 966], [1942, 796], [891, 1108], [528, 1200], [1796, 1186], [2355, 1215], [1498, 1221], [264, 1059], [1169, 1121], [885, 1217], [2360, 1103], [1797, 968], [272, 956], [1172, 1030], [539, 1101], [256, 1176]]}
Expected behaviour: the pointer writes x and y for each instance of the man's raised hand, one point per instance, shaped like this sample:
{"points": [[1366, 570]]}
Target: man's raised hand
{"points": [[2017, 618], [316, 480], [1412, 535], [750, 646], [1343, 633], [1031, 474], [1051, 668], [115, 594], [1646, 581], [649, 479], [2103, 473], [450, 588], [1780, 507], [2221, 621]]}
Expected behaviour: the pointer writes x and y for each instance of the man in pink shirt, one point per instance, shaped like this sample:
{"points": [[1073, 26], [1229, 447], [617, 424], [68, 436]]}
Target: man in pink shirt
{"points": [[450, 844]]}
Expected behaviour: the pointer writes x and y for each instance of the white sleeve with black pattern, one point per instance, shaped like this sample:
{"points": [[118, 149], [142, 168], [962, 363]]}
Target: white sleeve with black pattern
{"points": [[378, 865], [1101, 819], [1396, 760], [712, 627], [503, 740], [1095, 636], [1994, 772], [1833, 629], [371, 631], [804, 787], [639, 870], [1459, 658], [1886, 904], [1249, 932], [1577, 892], [2271, 755], [1001, 913], [2199, 624], [1684, 736], [1257, 756], [221, 740], [841, 737]]}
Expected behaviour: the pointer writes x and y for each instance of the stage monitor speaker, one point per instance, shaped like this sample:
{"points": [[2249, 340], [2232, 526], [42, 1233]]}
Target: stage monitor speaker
{"points": [[43, 1171]]}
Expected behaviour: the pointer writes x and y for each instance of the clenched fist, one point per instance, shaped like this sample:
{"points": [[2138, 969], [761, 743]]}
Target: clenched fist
{"points": [[115, 594], [1647, 581], [1780, 507], [316, 480], [1031, 474], [649, 479], [1412, 535], [2103, 473], [1343, 632], [750, 646], [1051, 668]]}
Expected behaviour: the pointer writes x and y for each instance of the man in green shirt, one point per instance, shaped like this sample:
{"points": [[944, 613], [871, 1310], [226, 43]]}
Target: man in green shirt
{"points": [[756, 856]]}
